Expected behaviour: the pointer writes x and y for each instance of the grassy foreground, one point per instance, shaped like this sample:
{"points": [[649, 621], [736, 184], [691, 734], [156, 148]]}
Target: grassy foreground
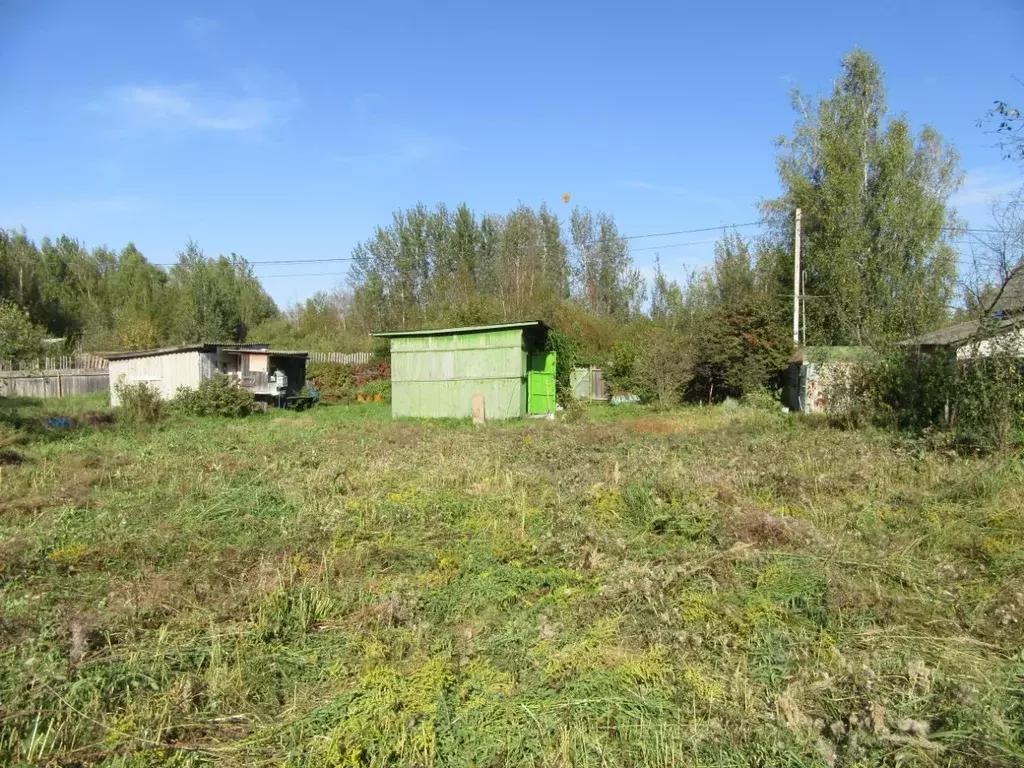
{"points": [[708, 587]]}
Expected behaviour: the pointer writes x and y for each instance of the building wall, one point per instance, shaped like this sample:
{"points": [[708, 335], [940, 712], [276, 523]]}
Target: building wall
{"points": [[822, 387], [164, 372], [437, 376], [1011, 343]]}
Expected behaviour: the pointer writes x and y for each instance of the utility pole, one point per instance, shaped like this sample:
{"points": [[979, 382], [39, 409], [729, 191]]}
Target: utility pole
{"points": [[803, 307], [796, 279]]}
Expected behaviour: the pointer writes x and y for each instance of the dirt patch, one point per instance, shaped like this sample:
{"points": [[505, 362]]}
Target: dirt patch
{"points": [[74, 487], [10, 458], [83, 636], [156, 592], [757, 526], [95, 419], [653, 426]]}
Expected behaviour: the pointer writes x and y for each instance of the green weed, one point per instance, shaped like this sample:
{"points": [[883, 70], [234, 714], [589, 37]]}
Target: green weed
{"points": [[706, 586]]}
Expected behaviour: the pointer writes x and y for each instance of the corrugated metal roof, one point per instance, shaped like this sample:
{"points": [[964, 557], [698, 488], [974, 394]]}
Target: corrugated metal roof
{"points": [[159, 351], [467, 329], [265, 351], [1012, 297], [958, 334], [264, 348]]}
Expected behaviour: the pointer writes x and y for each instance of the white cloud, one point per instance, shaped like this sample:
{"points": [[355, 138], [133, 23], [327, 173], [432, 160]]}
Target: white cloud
{"points": [[983, 185], [189, 106]]}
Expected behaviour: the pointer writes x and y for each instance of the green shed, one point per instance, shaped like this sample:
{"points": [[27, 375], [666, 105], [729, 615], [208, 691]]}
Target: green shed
{"points": [[436, 373]]}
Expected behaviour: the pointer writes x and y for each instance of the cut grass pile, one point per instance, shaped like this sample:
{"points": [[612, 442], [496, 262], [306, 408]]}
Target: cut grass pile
{"points": [[330, 588]]}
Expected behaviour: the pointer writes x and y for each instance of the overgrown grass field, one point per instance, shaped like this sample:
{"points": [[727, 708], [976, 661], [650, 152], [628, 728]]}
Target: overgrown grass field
{"points": [[706, 587]]}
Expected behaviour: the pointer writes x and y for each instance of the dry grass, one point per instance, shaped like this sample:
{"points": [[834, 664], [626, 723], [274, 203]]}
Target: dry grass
{"points": [[694, 588]]}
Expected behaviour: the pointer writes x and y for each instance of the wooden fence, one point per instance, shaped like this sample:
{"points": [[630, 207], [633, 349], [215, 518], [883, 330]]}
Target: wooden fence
{"points": [[346, 358], [82, 361], [589, 384], [53, 383]]}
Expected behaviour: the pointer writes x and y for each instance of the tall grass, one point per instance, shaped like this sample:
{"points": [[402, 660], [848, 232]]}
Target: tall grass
{"points": [[700, 587]]}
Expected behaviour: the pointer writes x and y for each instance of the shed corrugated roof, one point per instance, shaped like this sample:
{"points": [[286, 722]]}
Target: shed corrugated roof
{"points": [[960, 333], [1011, 300], [159, 351], [263, 350], [204, 348], [466, 329]]}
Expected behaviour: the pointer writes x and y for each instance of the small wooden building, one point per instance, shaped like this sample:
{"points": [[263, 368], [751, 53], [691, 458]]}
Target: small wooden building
{"points": [[271, 375], [437, 373], [819, 378]]}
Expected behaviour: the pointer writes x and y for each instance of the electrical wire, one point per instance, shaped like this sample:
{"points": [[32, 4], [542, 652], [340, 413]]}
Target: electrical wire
{"points": [[723, 227]]}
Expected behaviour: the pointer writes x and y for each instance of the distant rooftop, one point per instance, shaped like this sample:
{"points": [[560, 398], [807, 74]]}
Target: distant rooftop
{"points": [[960, 333], [1011, 300], [258, 347]]}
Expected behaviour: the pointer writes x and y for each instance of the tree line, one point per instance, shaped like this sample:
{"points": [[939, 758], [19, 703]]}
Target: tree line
{"points": [[104, 299], [878, 258]]}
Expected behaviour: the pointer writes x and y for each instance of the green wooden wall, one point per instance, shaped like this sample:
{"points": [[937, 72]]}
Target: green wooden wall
{"points": [[437, 376]]}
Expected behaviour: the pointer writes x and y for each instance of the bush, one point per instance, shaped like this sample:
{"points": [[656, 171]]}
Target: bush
{"points": [[216, 396], [980, 400], [656, 365], [575, 412], [338, 383], [738, 350], [988, 402], [140, 403], [21, 340], [567, 354], [372, 390], [762, 400]]}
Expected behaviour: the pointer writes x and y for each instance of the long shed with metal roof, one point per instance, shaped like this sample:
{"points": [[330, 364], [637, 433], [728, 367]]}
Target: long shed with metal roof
{"points": [[272, 375], [437, 373]]}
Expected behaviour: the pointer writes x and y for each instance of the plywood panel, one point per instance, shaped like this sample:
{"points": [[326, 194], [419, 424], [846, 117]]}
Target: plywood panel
{"points": [[164, 372]]}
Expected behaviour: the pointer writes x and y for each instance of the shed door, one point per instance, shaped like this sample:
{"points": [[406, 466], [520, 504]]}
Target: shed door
{"points": [[540, 382]]}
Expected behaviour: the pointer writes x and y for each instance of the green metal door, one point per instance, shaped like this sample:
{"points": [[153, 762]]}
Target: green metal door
{"points": [[540, 382]]}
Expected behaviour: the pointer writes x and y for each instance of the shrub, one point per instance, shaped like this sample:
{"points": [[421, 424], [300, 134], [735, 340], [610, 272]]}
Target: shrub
{"points": [[338, 383], [980, 400], [656, 365], [575, 412], [216, 396], [373, 389], [988, 402], [140, 403], [21, 340], [738, 350], [761, 400], [567, 350]]}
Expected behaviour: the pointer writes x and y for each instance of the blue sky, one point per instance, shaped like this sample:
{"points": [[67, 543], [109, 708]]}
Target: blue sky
{"points": [[284, 131]]}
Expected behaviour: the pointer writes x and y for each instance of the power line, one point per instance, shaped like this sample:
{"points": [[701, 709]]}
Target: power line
{"points": [[622, 237], [693, 231], [672, 245], [279, 262], [301, 274], [338, 259]]}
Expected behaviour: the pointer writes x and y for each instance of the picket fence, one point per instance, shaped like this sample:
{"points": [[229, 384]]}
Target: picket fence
{"points": [[83, 361], [346, 358]]}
